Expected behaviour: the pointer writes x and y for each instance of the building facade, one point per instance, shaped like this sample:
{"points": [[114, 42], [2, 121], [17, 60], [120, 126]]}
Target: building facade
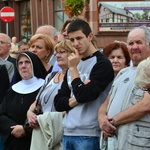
{"points": [[29, 14]]}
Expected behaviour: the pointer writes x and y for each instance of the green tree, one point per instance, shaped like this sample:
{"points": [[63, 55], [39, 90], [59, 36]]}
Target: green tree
{"points": [[145, 14], [138, 16]]}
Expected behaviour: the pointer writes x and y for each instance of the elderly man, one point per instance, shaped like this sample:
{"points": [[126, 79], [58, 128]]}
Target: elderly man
{"points": [[14, 47], [5, 46], [49, 30], [126, 109]]}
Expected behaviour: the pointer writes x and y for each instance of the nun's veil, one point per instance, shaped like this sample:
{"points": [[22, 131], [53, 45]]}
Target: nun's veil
{"points": [[39, 70]]}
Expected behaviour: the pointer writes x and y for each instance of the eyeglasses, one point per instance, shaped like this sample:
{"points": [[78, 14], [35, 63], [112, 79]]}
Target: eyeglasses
{"points": [[146, 89], [20, 63], [2, 42], [60, 53]]}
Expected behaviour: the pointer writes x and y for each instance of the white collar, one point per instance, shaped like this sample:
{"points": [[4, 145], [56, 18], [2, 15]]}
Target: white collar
{"points": [[28, 86]]}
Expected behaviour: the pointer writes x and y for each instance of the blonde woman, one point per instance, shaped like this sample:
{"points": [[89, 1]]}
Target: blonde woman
{"points": [[43, 46]]}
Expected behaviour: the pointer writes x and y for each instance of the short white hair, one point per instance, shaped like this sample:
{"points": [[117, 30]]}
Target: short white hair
{"points": [[143, 74], [49, 29]]}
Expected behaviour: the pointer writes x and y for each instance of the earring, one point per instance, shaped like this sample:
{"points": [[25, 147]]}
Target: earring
{"points": [[46, 59]]}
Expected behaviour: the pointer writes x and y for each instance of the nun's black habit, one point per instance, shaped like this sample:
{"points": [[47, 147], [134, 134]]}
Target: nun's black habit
{"points": [[17, 101]]}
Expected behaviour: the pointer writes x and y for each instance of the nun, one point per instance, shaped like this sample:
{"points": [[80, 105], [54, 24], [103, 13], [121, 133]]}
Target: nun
{"points": [[30, 77]]}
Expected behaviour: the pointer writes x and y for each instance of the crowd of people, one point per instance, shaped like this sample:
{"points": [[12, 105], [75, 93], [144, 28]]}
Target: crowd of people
{"points": [[60, 92]]}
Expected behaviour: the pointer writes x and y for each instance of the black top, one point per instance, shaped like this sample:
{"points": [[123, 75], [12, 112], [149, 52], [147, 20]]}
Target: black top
{"points": [[4, 81], [12, 60], [13, 111], [96, 68]]}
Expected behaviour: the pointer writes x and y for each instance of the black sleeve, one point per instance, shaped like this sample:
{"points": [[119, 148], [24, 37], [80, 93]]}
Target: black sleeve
{"points": [[4, 82], [101, 75], [5, 121], [61, 100]]}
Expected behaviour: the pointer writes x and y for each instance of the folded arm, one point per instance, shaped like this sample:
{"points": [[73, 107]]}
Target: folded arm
{"points": [[104, 120], [134, 112], [32, 117]]}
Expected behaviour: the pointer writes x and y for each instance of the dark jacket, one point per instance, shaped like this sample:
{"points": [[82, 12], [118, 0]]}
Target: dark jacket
{"points": [[4, 81]]}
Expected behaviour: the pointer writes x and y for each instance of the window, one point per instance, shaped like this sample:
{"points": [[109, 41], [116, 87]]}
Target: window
{"points": [[59, 16], [25, 21]]}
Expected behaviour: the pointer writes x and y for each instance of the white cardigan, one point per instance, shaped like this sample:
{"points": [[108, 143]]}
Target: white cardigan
{"points": [[49, 134]]}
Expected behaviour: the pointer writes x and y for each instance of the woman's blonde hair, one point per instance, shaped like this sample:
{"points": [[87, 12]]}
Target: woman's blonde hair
{"points": [[49, 42], [143, 74], [65, 44]]}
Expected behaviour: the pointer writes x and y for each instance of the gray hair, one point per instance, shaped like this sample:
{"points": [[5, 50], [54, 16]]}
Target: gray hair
{"points": [[51, 28], [146, 31], [22, 43], [143, 73], [8, 38]]}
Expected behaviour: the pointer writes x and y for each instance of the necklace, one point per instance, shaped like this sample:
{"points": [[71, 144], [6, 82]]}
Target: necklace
{"points": [[60, 76]]}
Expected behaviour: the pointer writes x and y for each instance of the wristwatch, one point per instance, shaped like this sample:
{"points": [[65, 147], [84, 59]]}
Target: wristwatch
{"points": [[112, 122]]}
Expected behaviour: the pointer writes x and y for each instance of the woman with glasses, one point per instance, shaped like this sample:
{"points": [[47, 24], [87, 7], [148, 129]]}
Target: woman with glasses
{"points": [[46, 98], [30, 76]]}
